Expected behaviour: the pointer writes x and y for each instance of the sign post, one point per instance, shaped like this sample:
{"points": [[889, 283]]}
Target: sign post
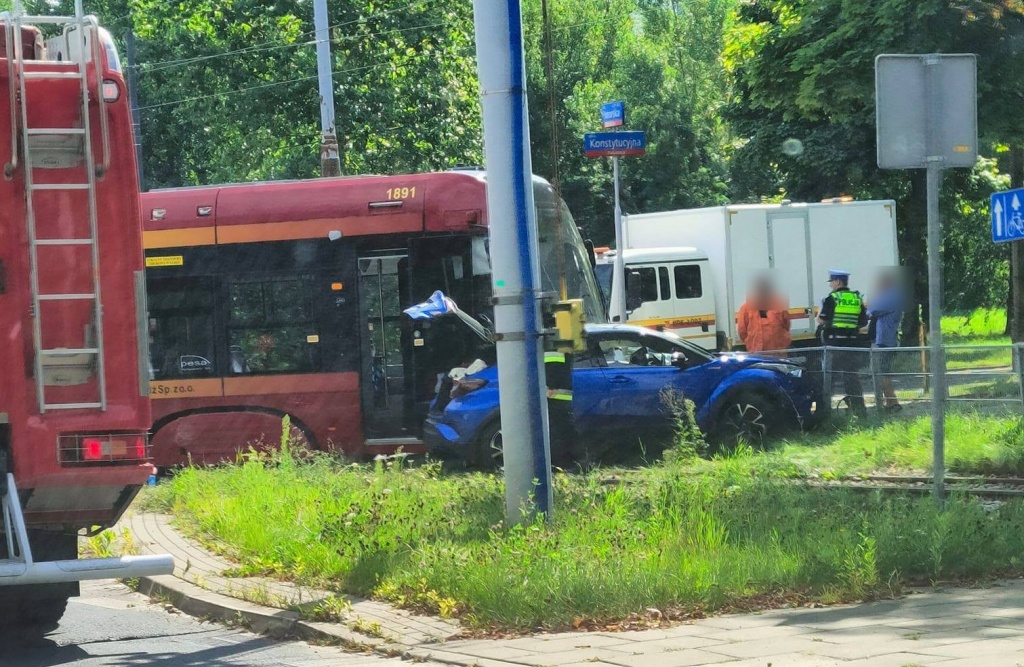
{"points": [[926, 110], [615, 145]]}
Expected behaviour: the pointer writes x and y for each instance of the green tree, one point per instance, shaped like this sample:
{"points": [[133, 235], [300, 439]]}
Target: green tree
{"points": [[663, 59], [803, 69]]}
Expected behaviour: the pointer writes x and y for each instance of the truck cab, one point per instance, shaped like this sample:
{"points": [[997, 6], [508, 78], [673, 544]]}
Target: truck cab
{"points": [[668, 288]]}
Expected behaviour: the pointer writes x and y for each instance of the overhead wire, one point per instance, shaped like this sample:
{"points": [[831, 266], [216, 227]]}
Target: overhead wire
{"points": [[271, 84], [274, 44]]}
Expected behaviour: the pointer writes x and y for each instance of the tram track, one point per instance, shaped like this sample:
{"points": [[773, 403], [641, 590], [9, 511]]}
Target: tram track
{"points": [[991, 488]]}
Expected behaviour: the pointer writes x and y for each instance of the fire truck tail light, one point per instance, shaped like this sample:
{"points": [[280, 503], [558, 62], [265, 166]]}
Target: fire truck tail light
{"points": [[111, 91], [111, 448], [92, 449]]}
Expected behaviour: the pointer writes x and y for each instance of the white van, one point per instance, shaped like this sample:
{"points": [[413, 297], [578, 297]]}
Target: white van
{"points": [[677, 291], [722, 249]]}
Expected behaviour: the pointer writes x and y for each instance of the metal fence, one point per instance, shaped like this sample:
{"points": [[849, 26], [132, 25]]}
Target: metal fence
{"points": [[887, 377]]}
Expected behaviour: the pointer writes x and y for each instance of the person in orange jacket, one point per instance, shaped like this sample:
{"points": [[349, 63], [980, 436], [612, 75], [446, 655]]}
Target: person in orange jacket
{"points": [[763, 319]]}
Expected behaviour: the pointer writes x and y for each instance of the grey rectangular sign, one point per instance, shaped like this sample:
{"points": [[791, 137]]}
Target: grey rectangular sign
{"points": [[926, 109]]}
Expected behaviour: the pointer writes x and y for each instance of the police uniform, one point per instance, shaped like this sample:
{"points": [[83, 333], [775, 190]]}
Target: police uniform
{"points": [[561, 425], [843, 314]]}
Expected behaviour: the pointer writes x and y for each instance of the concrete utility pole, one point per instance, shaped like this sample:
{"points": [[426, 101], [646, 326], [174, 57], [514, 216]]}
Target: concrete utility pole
{"points": [[512, 223], [330, 162]]}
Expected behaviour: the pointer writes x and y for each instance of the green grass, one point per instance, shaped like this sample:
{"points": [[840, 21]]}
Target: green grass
{"points": [[672, 540], [984, 325], [975, 445]]}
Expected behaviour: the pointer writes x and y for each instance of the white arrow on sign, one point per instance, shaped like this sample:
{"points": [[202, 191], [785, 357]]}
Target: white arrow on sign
{"points": [[999, 218], [1015, 203]]}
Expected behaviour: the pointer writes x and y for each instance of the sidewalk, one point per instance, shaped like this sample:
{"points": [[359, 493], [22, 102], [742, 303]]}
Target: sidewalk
{"points": [[366, 622], [952, 628]]}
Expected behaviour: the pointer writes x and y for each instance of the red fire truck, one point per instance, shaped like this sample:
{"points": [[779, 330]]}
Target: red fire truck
{"points": [[286, 298], [74, 406]]}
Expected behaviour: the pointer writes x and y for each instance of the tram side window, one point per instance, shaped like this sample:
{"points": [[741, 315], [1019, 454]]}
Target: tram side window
{"points": [[181, 328], [271, 326]]}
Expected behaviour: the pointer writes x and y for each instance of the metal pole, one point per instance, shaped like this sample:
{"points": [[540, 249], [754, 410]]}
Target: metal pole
{"points": [[934, 187], [619, 270], [330, 162], [133, 99], [515, 267], [935, 331]]}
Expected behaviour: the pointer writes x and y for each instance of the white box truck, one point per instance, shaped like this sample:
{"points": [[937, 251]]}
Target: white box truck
{"points": [[694, 266]]}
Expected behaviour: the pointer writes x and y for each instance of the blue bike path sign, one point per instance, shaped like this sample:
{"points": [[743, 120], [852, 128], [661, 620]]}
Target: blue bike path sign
{"points": [[1007, 215]]}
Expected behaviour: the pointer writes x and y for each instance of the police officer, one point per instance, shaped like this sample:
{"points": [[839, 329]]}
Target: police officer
{"points": [[843, 314], [561, 425]]}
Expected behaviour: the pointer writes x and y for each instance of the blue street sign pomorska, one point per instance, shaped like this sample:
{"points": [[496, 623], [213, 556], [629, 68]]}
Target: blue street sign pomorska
{"points": [[613, 114], [611, 144], [1007, 215]]}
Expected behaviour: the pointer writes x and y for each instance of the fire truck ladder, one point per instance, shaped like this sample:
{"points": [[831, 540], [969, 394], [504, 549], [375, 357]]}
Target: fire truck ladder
{"points": [[40, 145]]}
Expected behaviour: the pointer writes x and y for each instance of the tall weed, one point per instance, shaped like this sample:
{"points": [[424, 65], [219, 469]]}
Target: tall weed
{"points": [[670, 540]]}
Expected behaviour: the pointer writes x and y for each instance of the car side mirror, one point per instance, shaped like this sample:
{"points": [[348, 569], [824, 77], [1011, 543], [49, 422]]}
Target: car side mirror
{"points": [[679, 360], [633, 285]]}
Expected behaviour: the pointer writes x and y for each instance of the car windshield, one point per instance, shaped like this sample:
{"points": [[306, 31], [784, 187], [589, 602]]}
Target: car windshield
{"points": [[692, 350]]}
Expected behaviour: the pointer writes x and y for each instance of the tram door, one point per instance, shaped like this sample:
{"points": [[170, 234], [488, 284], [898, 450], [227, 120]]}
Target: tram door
{"points": [[381, 283]]}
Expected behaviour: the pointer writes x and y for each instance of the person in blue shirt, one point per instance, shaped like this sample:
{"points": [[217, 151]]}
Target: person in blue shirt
{"points": [[885, 312]]}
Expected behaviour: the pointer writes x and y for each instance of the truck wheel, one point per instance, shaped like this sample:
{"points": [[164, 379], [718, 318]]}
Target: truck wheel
{"points": [[746, 417], [33, 611], [489, 454]]}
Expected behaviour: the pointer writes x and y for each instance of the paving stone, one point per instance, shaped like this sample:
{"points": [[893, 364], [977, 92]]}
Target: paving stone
{"points": [[674, 659], [905, 659], [876, 649], [753, 634], [782, 645], [740, 622], [493, 651], [786, 660], [981, 650], [990, 661], [673, 644], [581, 640], [573, 655]]}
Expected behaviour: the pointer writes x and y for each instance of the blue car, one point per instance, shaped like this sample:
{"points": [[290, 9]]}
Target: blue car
{"points": [[618, 395]]}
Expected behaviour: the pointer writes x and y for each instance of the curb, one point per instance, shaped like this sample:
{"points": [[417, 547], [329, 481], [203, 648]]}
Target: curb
{"points": [[277, 623]]}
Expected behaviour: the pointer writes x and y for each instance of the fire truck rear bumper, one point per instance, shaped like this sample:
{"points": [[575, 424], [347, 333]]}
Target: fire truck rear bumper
{"points": [[14, 573], [85, 497], [21, 568]]}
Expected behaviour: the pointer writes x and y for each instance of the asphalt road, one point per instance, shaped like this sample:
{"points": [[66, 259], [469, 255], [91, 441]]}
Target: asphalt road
{"points": [[112, 626]]}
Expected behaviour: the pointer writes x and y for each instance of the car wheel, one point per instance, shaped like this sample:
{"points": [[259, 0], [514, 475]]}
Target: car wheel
{"points": [[747, 417], [489, 452]]}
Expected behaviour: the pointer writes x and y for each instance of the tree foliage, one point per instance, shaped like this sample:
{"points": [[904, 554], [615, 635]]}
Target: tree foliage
{"points": [[228, 92], [663, 58], [804, 69]]}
